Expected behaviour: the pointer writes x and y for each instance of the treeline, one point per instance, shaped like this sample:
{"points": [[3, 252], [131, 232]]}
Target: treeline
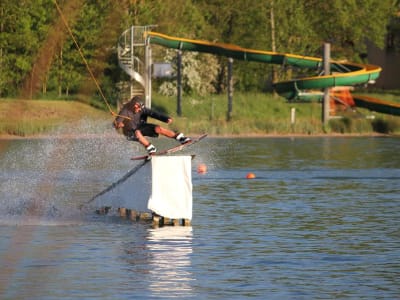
{"points": [[38, 57]]}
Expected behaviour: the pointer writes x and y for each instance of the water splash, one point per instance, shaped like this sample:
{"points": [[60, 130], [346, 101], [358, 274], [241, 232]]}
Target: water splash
{"points": [[46, 179]]}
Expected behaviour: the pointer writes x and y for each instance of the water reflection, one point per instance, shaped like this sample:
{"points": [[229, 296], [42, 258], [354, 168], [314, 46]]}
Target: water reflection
{"points": [[170, 268]]}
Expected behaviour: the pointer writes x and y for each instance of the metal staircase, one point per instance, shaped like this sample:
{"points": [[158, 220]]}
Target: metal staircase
{"points": [[134, 57]]}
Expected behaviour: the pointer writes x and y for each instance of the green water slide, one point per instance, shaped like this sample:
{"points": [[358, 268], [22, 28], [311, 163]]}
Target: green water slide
{"points": [[378, 105], [343, 74]]}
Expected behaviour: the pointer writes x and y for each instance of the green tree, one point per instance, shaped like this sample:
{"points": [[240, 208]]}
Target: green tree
{"points": [[70, 73], [23, 26], [393, 38], [300, 27], [346, 24]]}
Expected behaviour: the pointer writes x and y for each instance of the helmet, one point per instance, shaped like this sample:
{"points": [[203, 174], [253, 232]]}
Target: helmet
{"points": [[136, 100]]}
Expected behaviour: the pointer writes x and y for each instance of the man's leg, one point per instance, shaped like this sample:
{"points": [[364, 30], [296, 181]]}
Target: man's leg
{"points": [[180, 137], [149, 147], [164, 131]]}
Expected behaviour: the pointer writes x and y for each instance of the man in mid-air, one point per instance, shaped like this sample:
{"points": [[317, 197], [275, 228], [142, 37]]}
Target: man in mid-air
{"points": [[132, 118]]}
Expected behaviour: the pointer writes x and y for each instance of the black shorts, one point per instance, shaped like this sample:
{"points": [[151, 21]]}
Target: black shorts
{"points": [[146, 130]]}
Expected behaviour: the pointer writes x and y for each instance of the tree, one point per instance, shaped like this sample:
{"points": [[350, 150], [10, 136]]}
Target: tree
{"points": [[23, 26], [70, 70], [32, 40], [195, 78], [346, 24], [393, 37]]}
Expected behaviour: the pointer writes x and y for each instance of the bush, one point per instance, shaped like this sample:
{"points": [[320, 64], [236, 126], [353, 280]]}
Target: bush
{"points": [[342, 125], [385, 126]]}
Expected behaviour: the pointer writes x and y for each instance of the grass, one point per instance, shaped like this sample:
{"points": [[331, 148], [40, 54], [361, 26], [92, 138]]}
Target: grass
{"points": [[32, 117], [260, 114], [252, 114]]}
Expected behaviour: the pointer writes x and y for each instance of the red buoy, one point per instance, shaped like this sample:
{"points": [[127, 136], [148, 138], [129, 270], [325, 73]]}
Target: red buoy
{"points": [[201, 169], [250, 175]]}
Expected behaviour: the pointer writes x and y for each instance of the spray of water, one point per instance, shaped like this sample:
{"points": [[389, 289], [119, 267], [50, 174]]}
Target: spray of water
{"points": [[45, 180]]}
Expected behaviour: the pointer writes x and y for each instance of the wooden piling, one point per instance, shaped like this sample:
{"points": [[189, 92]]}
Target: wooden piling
{"points": [[145, 216], [156, 220], [103, 210], [133, 215], [122, 212]]}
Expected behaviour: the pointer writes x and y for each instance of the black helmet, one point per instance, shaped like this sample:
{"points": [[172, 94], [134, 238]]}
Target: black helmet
{"points": [[138, 100]]}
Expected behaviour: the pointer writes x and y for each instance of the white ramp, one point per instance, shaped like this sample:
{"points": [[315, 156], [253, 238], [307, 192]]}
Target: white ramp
{"points": [[163, 186], [171, 194]]}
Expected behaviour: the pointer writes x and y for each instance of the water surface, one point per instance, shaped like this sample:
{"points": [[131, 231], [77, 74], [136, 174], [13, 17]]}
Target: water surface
{"points": [[321, 220]]}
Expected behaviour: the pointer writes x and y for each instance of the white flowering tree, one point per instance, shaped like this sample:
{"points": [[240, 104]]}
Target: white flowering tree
{"points": [[199, 73]]}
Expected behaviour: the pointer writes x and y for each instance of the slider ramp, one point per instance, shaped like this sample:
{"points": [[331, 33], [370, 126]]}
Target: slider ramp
{"points": [[162, 186]]}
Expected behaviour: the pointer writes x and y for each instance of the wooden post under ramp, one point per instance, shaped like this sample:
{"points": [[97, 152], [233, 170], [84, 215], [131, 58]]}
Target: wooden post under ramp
{"points": [[179, 83], [327, 71], [230, 88], [148, 65]]}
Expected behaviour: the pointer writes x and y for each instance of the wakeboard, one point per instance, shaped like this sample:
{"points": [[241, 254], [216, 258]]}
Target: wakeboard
{"points": [[170, 150]]}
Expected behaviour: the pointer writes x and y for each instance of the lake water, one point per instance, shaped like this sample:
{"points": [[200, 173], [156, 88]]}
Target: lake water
{"points": [[321, 220]]}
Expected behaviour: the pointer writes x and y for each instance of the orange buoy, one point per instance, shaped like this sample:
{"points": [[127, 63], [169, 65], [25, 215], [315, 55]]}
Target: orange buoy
{"points": [[201, 169], [250, 175]]}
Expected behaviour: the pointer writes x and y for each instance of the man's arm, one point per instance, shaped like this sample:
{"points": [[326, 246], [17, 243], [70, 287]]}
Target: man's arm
{"points": [[158, 116], [121, 117]]}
